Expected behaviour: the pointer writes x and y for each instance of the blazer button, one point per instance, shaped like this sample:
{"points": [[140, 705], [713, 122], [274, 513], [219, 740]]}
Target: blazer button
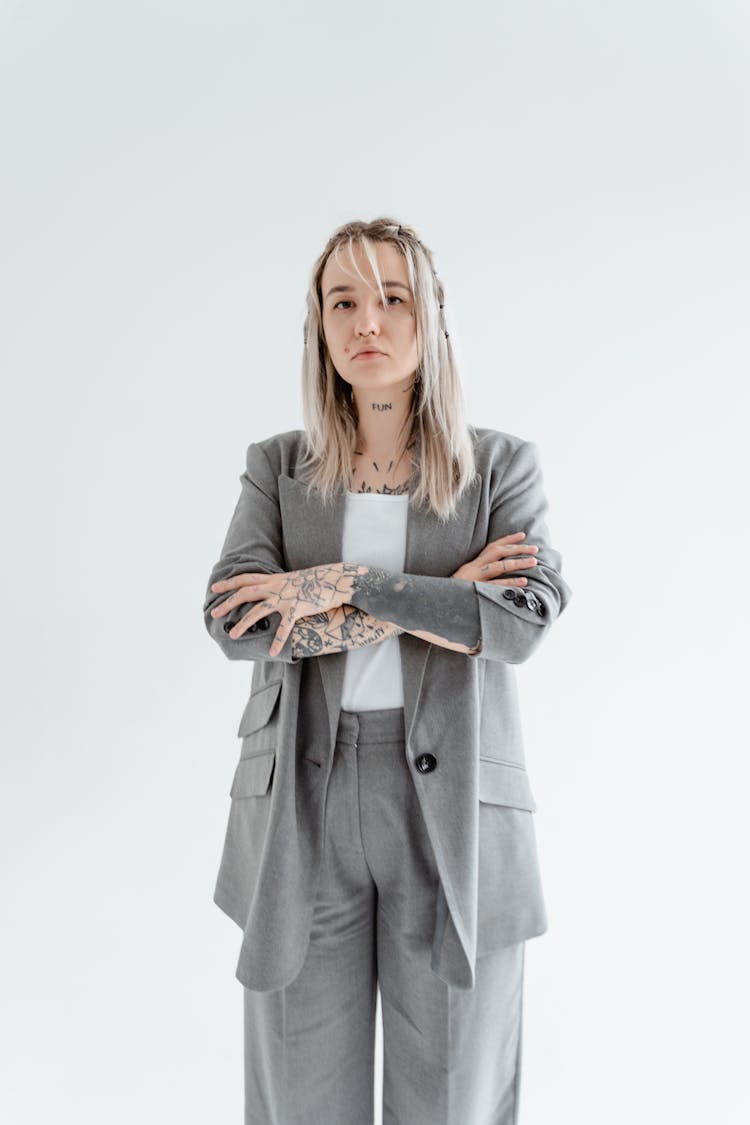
{"points": [[509, 593], [541, 609], [531, 601], [519, 598], [264, 623], [425, 763], [253, 628]]}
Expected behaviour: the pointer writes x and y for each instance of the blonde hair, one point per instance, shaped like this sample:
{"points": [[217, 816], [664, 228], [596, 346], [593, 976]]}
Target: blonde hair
{"points": [[443, 455]]}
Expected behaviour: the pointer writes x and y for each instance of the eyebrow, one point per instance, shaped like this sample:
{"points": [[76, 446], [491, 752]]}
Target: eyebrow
{"points": [[350, 288]]}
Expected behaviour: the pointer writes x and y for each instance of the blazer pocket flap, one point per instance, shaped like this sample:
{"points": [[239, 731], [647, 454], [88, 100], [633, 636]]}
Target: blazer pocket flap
{"points": [[258, 708], [253, 775], [502, 783]]}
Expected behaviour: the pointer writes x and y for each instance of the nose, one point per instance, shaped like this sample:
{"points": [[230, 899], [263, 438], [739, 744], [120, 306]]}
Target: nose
{"points": [[367, 320]]}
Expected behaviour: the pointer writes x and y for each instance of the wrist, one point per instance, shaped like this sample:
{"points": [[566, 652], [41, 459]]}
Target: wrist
{"points": [[350, 580]]}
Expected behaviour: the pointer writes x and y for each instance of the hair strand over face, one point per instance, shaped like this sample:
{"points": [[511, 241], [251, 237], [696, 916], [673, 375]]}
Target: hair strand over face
{"points": [[443, 454]]}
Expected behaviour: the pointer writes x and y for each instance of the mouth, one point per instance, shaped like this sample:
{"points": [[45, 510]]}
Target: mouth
{"points": [[368, 352]]}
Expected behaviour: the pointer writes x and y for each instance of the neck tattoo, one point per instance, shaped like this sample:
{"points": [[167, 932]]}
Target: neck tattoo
{"points": [[386, 489]]}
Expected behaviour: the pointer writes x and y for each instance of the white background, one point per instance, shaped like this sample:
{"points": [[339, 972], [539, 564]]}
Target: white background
{"points": [[170, 171]]}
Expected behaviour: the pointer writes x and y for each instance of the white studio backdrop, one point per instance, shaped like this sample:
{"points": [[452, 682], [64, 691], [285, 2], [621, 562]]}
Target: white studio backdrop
{"points": [[170, 173]]}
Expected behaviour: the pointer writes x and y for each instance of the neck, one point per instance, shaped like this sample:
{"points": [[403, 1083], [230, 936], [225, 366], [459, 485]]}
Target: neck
{"points": [[383, 414]]}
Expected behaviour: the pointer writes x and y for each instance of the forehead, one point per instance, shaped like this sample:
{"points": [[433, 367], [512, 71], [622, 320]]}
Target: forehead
{"points": [[391, 264]]}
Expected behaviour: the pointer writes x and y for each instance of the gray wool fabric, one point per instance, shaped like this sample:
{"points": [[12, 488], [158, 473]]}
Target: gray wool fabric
{"points": [[460, 713], [450, 1056], [456, 608]]}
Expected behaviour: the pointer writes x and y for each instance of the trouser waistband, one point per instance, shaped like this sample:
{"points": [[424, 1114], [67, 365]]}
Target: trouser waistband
{"points": [[383, 725]]}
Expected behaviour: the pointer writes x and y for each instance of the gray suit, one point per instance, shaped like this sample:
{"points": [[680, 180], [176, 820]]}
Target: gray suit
{"points": [[460, 709]]}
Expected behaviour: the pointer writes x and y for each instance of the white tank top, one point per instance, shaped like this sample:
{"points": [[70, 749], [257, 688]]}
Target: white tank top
{"points": [[374, 535]]}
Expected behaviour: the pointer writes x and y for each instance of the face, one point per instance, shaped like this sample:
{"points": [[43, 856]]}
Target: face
{"points": [[355, 317]]}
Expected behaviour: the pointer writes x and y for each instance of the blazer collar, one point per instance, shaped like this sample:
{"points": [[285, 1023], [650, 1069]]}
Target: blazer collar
{"points": [[312, 534]]}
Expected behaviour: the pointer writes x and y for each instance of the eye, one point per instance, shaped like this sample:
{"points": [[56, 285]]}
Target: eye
{"points": [[392, 297]]}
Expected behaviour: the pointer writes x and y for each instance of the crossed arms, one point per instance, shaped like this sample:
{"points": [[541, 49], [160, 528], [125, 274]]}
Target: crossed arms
{"points": [[471, 617], [306, 601]]}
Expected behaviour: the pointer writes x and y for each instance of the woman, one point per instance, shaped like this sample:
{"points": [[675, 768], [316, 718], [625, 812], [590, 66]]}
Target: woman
{"points": [[384, 569]]}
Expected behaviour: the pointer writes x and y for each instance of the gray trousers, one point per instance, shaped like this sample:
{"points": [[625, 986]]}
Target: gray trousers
{"points": [[450, 1056]]}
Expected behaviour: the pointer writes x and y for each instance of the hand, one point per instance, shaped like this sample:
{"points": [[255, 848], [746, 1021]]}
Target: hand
{"points": [[293, 595], [499, 557]]}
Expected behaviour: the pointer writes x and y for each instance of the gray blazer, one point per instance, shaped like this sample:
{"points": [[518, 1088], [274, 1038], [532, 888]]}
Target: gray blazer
{"points": [[477, 803]]}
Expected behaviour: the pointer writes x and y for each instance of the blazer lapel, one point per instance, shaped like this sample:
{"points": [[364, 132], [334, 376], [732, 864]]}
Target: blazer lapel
{"points": [[313, 533]]}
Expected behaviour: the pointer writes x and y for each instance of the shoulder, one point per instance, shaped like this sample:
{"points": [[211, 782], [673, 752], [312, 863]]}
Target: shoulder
{"points": [[508, 463], [494, 450], [277, 445], [277, 454]]}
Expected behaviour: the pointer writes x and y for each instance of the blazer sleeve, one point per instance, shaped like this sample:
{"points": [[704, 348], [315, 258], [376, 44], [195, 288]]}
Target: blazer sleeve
{"points": [[510, 622], [252, 543], [515, 619]]}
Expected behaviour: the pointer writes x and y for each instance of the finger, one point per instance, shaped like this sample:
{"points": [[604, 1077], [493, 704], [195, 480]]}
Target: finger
{"points": [[278, 641], [508, 565], [517, 548], [504, 543], [242, 626], [498, 549], [508, 581], [247, 594], [507, 538], [235, 582], [519, 564], [513, 560], [220, 587], [221, 610], [260, 609]]}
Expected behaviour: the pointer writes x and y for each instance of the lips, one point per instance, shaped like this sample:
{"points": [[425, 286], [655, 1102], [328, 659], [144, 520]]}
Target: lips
{"points": [[369, 351]]}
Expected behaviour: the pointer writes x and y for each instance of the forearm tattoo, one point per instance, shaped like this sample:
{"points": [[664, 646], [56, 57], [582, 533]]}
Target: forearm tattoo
{"points": [[446, 607], [338, 629], [307, 592]]}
